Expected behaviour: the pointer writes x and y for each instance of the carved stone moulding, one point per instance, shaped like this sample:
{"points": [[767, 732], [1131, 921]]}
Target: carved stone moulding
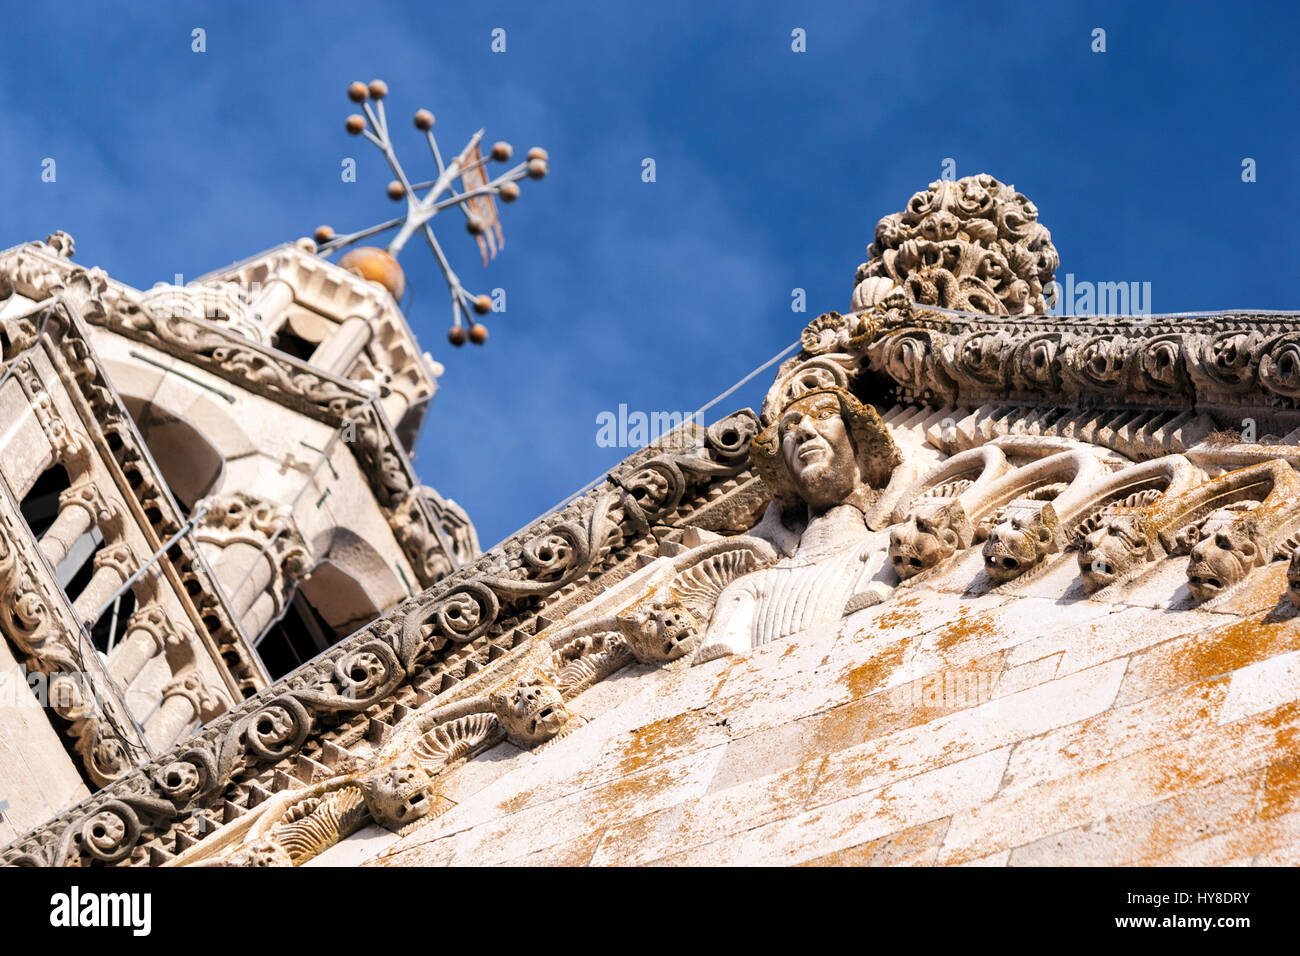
{"points": [[1230, 364], [972, 244], [469, 619]]}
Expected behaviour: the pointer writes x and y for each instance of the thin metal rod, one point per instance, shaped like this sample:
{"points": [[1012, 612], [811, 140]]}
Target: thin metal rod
{"points": [[695, 417], [185, 529]]}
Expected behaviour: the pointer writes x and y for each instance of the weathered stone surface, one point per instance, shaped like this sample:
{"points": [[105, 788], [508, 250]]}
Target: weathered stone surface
{"points": [[1037, 608]]}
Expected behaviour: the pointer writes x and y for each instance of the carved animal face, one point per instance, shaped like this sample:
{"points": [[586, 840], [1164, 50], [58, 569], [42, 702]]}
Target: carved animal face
{"points": [[1223, 559], [532, 711], [397, 795], [659, 631], [818, 451], [263, 852], [928, 536], [1121, 544], [1018, 543]]}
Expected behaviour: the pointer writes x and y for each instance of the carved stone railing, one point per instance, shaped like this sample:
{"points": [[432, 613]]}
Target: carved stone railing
{"points": [[35, 271], [39, 621], [299, 726]]}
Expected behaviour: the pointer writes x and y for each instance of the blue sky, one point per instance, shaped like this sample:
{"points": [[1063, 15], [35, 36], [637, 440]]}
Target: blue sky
{"points": [[772, 170]]}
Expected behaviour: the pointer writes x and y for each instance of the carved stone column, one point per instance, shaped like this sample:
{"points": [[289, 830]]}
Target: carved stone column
{"points": [[148, 633], [271, 303], [256, 551], [337, 353], [244, 570], [184, 700], [113, 565], [80, 508], [260, 614]]}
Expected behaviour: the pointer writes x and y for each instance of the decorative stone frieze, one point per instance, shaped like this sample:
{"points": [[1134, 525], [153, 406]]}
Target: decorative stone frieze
{"points": [[429, 644]]}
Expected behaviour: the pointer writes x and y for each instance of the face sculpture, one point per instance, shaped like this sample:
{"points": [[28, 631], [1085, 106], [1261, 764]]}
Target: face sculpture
{"points": [[1224, 558], [397, 795], [932, 533], [825, 448], [1121, 544], [1017, 544], [818, 452], [531, 711], [659, 630]]}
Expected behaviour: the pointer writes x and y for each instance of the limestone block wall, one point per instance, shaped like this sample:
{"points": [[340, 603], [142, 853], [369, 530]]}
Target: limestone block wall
{"points": [[945, 727]]}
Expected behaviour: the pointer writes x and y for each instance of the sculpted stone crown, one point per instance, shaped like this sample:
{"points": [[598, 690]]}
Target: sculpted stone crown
{"points": [[973, 245]]}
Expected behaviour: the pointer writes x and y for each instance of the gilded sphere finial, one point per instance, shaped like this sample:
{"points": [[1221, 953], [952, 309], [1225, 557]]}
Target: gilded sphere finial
{"points": [[376, 265]]}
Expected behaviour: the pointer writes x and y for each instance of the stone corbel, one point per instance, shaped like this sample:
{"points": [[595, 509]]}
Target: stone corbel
{"points": [[933, 516]]}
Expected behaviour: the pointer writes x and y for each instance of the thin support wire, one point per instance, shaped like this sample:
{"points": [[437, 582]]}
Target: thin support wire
{"points": [[135, 576], [694, 417]]}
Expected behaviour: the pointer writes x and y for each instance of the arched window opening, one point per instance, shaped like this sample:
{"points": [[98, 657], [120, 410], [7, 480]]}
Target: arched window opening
{"points": [[325, 608], [41, 505], [190, 464], [298, 636]]}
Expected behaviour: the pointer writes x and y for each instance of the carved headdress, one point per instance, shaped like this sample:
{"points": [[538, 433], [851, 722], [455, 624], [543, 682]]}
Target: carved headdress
{"points": [[877, 454]]}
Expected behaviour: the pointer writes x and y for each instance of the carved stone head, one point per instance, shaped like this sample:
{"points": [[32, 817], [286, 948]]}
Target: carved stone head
{"points": [[932, 533], [397, 794], [1225, 556], [1019, 542], [531, 711], [1124, 541], [659, 629], [263, 852], [825, 448]]}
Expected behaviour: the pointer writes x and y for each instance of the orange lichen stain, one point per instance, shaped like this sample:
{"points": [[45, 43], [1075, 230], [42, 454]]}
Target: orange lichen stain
{"points": [[573, 853], [966, 627], [848, 725], [516, 803], [1220, 651], [1147, 833], [915, 846], [1248, 737], [1281, 788], [650, 743], [623, 799], [872, 673], [1260, 591], [902, 613]]}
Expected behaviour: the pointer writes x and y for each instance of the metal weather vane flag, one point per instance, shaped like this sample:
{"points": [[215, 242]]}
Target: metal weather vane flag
{"points": [[463, 182]]}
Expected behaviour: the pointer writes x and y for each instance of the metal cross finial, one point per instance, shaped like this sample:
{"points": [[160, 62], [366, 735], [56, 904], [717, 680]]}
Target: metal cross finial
{"points": [[475, 195]]}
